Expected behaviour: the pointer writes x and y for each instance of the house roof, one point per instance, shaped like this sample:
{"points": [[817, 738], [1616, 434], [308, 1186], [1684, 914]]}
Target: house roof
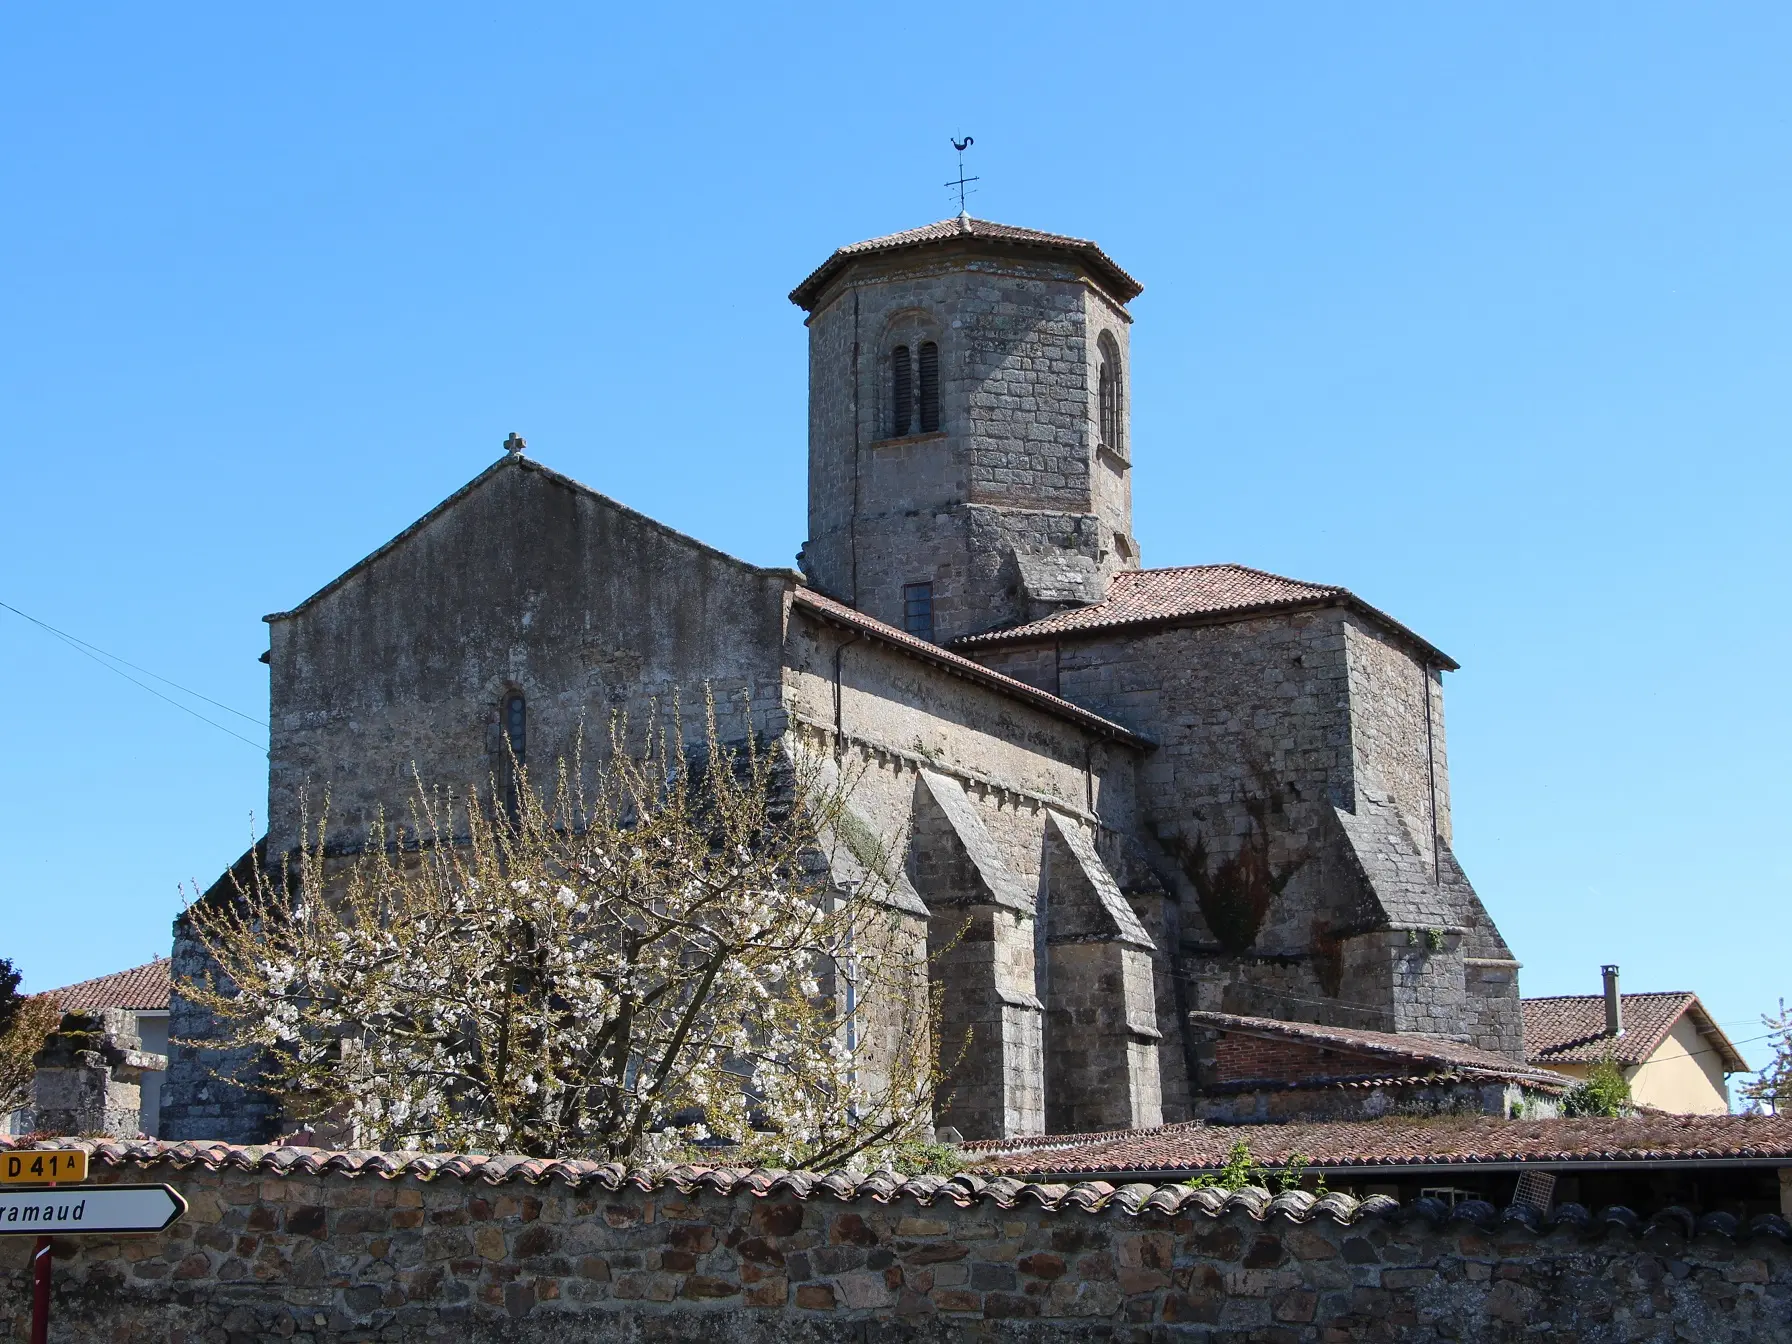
{"points": [[1570, 1029], [965, 229], [841, 614], [1393, 1047], [144, 987], [1194, 593], [1412, 1142]]}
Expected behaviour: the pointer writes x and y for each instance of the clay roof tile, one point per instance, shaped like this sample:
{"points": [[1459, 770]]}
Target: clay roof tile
{"points": [[145, 987], [1193, 592]]}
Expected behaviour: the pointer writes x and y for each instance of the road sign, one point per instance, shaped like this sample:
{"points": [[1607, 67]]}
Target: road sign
{"points": [[37, 1166], [89, 1209]]}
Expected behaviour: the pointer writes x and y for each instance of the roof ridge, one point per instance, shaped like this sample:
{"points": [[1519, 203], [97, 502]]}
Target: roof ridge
{"points": [[1623, 994]]}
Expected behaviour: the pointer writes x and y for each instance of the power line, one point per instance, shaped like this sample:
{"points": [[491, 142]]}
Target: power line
{"points": [[100, 656]]}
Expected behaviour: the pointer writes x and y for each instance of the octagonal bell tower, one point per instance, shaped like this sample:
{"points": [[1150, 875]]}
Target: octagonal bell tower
{"points": [[969, 462]]}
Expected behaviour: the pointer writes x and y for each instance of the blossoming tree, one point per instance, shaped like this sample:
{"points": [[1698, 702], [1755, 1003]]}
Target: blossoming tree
{"points": [[643, 957]]}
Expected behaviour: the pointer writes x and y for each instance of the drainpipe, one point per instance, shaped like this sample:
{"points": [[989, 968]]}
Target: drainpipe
{"points": [[1614, 1006]]}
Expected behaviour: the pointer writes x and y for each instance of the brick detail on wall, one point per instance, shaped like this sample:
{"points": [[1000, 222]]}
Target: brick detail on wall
{"points": [[1247, 1059]]}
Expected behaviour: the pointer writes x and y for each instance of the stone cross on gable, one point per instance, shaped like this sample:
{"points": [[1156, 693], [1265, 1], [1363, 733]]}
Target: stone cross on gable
{"points": [[515, 444]]}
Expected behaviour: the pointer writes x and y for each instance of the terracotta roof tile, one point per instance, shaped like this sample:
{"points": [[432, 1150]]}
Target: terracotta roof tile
{"points": [[1398, 1047], [147, 986], [1396, 1141], [965, 1190], [1123, 286], [1164, 596], [962, 666], [1570, 1028]]}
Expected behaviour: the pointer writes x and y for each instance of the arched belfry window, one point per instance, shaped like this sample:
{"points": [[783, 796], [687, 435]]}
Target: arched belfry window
{"points": [[902, 391], [1113, 419], [930, 387]]}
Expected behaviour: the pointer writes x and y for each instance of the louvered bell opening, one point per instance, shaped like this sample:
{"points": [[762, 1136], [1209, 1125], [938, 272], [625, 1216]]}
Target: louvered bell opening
{"points": [[902, 391], [930, 387]]}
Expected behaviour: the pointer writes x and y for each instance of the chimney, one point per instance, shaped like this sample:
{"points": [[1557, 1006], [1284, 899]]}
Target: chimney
{"points": [[1614, 1005]]}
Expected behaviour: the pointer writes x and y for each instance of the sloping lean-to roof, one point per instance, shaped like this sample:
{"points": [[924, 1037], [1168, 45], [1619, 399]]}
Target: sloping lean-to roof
{"points": [[1570, 1029], [1393, 1047], [965, 229], [1191, 593], [841, 614]]}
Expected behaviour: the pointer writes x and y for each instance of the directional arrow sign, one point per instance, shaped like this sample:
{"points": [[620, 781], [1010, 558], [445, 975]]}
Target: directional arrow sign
{"points": [[89, 1208]]}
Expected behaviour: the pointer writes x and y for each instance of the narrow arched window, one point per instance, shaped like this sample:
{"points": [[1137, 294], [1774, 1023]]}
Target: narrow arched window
{"points": [[902, 391], [1111, 419], [930, 387], [513, 720], [516, 725]]}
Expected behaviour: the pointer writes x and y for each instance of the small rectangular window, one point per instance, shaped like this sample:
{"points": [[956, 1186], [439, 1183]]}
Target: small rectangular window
{"points": [[917, 610]]}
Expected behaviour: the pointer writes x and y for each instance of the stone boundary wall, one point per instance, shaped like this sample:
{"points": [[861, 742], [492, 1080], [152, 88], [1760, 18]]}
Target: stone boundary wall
{"points": [[305, 1246]]}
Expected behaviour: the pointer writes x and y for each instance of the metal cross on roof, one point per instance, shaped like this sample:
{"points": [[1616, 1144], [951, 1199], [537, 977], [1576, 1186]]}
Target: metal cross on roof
{"points": [[961, 180]]}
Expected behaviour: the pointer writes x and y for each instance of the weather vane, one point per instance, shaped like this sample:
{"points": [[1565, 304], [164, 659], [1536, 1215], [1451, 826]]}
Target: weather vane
{"points": [[962, 181]]}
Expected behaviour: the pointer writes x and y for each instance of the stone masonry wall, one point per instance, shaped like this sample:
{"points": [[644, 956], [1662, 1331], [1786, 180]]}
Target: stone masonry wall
{"points": [[500, 1249], [531, 583], [1007, 504], [1298, 767]]}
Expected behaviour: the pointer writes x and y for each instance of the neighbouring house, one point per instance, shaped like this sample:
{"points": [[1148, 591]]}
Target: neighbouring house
{"points": [[143, 991], [1735, 1164], [1671, 1052]]}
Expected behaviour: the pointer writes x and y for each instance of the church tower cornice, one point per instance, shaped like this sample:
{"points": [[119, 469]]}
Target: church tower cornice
{"points": [[981, 234]]}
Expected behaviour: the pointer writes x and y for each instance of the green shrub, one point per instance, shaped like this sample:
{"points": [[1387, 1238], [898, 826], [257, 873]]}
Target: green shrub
{"points": [[1240, 1170], [1605, 1092]]}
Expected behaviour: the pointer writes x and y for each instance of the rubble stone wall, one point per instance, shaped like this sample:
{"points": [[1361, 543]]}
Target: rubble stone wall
{"points": [[308, 1258]]}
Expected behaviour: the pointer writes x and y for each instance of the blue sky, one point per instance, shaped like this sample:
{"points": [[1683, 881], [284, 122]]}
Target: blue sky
{"points": [[1481, 311]]}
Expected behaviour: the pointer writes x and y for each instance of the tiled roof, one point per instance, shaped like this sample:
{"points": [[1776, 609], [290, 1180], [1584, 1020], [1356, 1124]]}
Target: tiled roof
{"points": [[1570, 1028], [1459, 1141], [964, 1190], [1165, 596], [1122, 285], [1386, 1045], [958, 664], [147, 986]]}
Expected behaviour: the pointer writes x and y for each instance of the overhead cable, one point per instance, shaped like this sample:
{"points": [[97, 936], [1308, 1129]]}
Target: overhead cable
{"points": [[100, 656]]}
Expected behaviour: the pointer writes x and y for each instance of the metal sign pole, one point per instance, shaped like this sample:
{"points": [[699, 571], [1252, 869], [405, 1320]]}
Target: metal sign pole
{"points": [[40, 1292]]}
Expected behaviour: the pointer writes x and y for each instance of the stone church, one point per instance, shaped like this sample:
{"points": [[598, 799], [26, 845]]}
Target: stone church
{"points": [[1197, 819]]}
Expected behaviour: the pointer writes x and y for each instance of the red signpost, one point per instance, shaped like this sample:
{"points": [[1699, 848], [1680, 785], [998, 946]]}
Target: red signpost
{"points": [[40, 1292]]}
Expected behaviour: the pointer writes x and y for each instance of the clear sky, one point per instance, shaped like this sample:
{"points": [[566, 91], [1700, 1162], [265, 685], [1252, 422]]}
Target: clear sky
{"points": [[1479, 310]]}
